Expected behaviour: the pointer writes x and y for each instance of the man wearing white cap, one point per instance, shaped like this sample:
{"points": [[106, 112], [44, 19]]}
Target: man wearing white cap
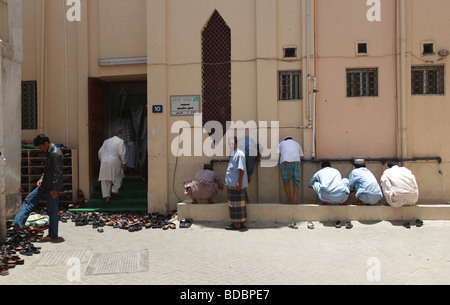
{"points": [[365, 184], [290, 154]]}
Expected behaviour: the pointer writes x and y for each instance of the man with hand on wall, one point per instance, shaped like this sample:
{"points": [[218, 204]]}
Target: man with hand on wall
{"points": [[236, 181], [290, 153]]}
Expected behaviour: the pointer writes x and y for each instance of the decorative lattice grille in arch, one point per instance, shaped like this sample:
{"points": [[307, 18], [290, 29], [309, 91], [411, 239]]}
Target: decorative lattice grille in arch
{"points": [[216, 71]]}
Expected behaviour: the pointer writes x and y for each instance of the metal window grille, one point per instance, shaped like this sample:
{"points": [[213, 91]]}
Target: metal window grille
{"points": [[427, 80], [4, 21], [362, 48], [216, 71], [29, 105], [290, 85], [362, 82]]}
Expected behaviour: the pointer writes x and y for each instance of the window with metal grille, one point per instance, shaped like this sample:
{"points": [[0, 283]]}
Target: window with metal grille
{"points": [[4, 21], [362, 48], [216, 71], [29, 105], [290, 87], [427, 80], [362, 82]]}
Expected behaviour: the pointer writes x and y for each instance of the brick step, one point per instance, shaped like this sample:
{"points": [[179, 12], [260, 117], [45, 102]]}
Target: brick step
{"points": [[315, 212]]}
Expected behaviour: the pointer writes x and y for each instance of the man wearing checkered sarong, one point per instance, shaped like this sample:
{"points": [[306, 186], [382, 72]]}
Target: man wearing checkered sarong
{"points": [[290, 153], [236, 181]]}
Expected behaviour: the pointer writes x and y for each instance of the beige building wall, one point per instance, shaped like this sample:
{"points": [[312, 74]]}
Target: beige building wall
{"points": [[168, 33], [355, 127], [427, 123], [256, 60], [11, 56], [61, 55]]}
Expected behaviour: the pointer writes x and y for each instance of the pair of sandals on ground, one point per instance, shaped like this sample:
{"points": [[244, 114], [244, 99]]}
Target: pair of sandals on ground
{"points": [[418, 223], [310, 225], [293, 225]]}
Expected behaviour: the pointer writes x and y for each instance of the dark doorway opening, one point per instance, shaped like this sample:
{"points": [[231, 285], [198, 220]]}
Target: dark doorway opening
{"points": [[113, 105]]}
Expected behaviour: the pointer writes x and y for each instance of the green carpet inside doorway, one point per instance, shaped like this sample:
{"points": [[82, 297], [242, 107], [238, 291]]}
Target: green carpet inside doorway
{"points": [[133, 198]]}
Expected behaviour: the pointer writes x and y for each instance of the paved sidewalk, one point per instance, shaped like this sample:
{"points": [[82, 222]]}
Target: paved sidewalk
{"points": [[266, 254]]}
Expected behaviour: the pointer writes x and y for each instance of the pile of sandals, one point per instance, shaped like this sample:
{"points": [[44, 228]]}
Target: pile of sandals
{"points": [[130, 221], [18, 242]]}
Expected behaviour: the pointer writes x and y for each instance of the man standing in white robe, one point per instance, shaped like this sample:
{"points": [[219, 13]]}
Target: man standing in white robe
{"points": [[399, 186], [113, 163]]}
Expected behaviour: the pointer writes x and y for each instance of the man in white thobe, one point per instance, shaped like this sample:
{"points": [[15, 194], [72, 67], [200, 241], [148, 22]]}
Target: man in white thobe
{"points": [[399, 186], [113, 162], [364, 183], [329, 185]]}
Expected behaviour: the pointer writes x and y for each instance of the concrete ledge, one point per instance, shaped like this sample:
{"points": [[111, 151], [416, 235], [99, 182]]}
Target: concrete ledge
{"points": [[314, 212]]}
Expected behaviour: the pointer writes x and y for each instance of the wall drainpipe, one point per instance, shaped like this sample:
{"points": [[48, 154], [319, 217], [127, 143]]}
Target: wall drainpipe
{"points": [[402, 124], [2, 201]]}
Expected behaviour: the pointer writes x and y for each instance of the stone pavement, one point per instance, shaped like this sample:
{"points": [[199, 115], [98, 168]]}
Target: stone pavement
{"points": [[370, 253]]}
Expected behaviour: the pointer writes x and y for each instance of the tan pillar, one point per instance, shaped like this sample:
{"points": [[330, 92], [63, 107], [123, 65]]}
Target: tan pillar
{"points": [[158, 186], [266, 92]]}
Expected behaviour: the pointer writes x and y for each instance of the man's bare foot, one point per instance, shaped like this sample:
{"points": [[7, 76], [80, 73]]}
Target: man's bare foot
{"points": [[15, 229], [358, 202], [107, 199]]}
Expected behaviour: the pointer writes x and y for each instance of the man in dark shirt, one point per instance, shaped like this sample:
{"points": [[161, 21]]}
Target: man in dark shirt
{"points": [[48, 187]]}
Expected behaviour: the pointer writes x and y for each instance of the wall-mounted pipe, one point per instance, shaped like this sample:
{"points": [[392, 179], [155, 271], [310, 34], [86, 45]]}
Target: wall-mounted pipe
{"points": [[41, 91], [313, 155], [311, 92], [2, 200], [382, 160], [341, 160], [402, 89], [308, 57], [350, 160], [66, 96]]}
